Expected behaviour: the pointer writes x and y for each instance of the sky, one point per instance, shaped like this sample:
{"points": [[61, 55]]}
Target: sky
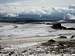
{"points": [[39, 3], [13, 7], [18, 6]]}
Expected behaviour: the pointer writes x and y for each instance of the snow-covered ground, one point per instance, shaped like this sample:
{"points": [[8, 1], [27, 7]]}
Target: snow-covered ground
{"points": [[26, 30], [15, 36], [30, 30]]}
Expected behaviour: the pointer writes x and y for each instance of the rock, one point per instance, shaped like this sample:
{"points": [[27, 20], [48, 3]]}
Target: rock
{"points": [[70, 28], [62, 37], [51, 41], [59, 26], [72, 36], [10, 53]]}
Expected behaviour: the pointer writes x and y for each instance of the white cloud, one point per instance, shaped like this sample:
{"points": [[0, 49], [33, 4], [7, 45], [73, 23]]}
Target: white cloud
{"points": [[44, 6], [40, 3]]}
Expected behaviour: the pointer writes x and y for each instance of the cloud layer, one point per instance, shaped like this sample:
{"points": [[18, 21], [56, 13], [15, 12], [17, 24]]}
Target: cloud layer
{"points": [[41, 2]]}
